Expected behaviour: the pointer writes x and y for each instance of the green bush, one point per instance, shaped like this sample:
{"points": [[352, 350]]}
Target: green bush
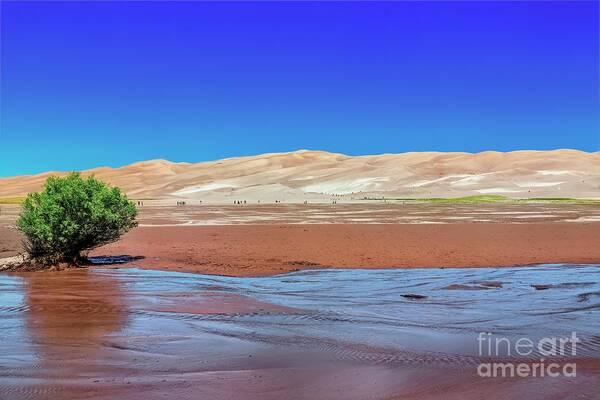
{"points": [[72, 215]]}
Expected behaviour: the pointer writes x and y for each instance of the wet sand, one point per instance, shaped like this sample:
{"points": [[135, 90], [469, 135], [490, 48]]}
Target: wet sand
{"points": [[366, 213], [254, 250], [10, 239], [254, 240], [140, 334]]}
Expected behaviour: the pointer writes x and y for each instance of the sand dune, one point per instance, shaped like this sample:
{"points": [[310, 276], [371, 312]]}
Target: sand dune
{"points": [[318, 175]]}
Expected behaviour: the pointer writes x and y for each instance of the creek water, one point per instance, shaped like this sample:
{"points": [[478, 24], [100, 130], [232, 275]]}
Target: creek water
{"points": [[132, 333]]}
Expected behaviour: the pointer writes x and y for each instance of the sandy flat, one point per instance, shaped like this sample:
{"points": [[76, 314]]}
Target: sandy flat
{"points": [[267, 239], [250, 250]]}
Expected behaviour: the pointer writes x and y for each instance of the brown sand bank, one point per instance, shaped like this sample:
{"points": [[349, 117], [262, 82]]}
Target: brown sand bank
{"points": [[252, 250], [268, 239]]}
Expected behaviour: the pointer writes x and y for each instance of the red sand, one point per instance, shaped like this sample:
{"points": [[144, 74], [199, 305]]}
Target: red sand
{"points": [[252, 250]]}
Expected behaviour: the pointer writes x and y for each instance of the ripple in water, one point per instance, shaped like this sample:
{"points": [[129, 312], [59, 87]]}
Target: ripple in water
{"points": [[118, 322]]}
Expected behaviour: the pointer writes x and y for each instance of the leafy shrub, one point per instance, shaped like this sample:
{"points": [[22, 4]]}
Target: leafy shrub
{"points": [[72, 215]]}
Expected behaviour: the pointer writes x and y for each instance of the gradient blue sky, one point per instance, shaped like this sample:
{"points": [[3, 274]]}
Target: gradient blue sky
{"points": [[86, 84]]}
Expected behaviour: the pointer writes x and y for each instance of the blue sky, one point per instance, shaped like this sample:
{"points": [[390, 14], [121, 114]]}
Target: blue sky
{"points": [[86, 84]]}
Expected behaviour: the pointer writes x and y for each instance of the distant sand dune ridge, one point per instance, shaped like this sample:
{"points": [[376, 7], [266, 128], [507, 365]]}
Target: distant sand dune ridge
{"points": [[319, 175]]}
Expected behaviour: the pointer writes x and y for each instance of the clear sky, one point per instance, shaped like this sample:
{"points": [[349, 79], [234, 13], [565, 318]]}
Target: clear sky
{"points": [[86, 84]]}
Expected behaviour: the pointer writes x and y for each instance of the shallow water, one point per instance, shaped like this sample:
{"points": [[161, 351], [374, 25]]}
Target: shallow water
{"points": [[142, 334]]}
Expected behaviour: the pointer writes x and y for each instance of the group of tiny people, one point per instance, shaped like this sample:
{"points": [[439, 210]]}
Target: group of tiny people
{"points": [[237, 202]]}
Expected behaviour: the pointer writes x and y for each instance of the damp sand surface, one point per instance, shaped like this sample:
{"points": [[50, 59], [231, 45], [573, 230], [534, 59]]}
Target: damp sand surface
{"points": [[259, 250], [315, 334], [363, 213], [267, 239]]}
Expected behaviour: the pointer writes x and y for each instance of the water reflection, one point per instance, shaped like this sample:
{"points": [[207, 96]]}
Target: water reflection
{"points": [[53, 326], [70, 313]]}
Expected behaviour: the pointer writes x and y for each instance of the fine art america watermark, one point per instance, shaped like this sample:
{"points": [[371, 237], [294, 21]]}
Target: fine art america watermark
{"points": [[503, 348]]}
